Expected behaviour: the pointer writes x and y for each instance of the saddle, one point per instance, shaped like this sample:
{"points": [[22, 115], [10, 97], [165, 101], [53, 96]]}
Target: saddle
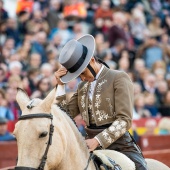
{"points": [[103, 162]]}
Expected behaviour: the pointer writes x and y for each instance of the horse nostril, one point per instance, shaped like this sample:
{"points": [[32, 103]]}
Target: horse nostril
{"points": [[43, 134]]}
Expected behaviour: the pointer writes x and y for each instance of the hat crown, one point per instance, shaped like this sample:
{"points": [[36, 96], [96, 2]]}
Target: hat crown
{"points": [[70, 53]]}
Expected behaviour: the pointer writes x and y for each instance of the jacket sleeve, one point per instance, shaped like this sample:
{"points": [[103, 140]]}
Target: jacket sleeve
{"points": [[70, 107], [123, 88]]}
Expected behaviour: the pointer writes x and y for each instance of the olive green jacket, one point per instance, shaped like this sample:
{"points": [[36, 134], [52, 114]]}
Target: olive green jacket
{"points": [[112, 103]]}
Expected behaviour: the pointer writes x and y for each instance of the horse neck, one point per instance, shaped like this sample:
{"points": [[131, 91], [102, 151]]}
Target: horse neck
{"points": [[76, 154]]}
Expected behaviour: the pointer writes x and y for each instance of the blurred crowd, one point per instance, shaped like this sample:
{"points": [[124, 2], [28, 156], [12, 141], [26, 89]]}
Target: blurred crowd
{"points": [[131, 35]]}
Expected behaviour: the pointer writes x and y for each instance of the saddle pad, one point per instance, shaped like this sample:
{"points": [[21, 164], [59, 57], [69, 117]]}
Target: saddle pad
{"points": [[105, 162]]}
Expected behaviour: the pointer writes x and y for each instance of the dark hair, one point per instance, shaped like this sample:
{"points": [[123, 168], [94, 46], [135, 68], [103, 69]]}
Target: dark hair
{"points": [[100, 61]]}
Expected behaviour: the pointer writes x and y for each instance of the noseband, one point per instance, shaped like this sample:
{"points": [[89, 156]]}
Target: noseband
{"points": [[44, 158]]}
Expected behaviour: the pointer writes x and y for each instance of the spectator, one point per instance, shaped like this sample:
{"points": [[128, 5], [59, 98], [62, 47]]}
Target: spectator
{"points": [[11, 102], [150, 104], [14, 81], [117, 49], [148, 50], [43, 88], [163, 125], [3, 12], [15, 68], [4, 134], [149, 84], [3, 36], [124, 64], [33, 78], [54, 13], [35, 61], [164, 109], [138, 26], [23, 17], [12, 31], [139, 107], [9, 44], [104, 11], [150, 125], [39, 45], [155, 27], [37, 23], [5, 112], [46, 70], [62, 30], [3, 82], [137, 88], [117, 32], [139, 68], [74, 10], [162, 88]]}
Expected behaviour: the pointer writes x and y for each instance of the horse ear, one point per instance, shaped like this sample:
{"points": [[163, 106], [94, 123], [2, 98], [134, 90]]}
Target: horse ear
{"points": [[22, 98], [47, 102]]}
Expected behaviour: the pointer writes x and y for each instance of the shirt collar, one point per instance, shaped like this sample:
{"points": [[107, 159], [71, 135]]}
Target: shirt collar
{"points": [[101, 69]]}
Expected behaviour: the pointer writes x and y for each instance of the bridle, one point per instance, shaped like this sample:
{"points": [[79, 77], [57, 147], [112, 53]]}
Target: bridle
{"points": [[44, 157]]}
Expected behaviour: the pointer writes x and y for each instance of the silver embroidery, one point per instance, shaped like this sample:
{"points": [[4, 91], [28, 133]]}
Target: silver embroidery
{"points": [[117, 134], [112, 129], [82, 102], [107, 137], [116, 123], [118, 128], [123, 123], [123, 131], [63, 103], [102, 115]]}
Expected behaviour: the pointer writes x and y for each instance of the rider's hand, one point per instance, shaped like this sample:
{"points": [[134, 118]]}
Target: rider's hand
{"points": [[59, 73], [92, 144]]}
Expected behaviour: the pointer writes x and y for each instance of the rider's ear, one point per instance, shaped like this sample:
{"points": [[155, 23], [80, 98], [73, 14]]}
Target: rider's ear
{"points": [[22, 98]]}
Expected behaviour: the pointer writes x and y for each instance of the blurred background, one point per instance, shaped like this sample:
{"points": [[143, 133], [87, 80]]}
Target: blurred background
{"points": [[131, 35]]}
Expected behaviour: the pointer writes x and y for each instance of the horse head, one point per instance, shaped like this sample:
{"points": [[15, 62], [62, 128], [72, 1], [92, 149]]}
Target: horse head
{"points": [[46, 136], [32, 132]]}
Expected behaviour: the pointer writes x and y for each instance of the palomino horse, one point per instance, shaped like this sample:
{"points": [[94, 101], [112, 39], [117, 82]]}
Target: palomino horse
{"points": [[65, 148]]}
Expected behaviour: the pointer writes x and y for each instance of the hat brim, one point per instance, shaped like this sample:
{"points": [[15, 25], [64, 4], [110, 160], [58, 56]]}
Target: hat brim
{"points": [[89, 42]]}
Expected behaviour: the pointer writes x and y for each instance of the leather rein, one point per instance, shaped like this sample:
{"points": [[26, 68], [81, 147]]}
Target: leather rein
{"points": [[44, 158]]}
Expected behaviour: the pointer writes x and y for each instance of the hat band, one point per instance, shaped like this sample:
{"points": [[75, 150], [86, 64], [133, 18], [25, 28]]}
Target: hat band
{"points": [[79, 63]]}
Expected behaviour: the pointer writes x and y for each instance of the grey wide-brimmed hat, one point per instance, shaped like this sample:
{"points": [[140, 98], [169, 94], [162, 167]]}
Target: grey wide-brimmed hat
{"points": [[76, 55]]}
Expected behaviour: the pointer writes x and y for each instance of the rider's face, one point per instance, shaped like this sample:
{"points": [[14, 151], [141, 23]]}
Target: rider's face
{"points": [[86, 75]]}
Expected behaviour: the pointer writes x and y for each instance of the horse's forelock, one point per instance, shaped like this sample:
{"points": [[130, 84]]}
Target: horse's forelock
{"points": [[34, 102]]}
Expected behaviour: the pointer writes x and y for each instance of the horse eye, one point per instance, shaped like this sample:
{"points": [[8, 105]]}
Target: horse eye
{"points": [[43, 134]]}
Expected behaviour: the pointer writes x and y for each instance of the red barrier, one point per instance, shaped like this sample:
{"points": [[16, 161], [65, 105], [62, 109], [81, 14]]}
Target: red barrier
{"points": [[8, 154], [141, 122], [160, 155]]}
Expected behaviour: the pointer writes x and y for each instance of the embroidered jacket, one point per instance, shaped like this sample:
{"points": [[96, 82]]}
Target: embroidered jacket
{"points": [[112, 102]]}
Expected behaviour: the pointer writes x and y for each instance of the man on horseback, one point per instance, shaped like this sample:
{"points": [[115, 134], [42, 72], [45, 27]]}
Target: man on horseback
{"points": [[104, 98]]}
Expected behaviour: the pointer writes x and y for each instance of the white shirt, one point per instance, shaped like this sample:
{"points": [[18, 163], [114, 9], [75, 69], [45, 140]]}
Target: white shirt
{"points": [[93, 84]]}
